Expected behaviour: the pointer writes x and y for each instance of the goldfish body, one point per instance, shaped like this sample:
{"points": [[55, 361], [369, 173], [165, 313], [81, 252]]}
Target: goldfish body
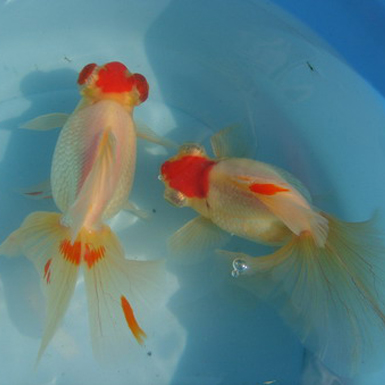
{"points": [[91, 177], [326, 275]]}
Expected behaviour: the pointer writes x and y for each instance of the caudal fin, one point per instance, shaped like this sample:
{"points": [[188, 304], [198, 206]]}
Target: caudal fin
{"points": [[117, 289], [331, 296], [122, 294], [40, 238]]}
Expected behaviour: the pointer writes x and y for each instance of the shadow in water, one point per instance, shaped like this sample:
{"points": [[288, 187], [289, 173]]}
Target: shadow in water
{"points": [[26, 159]]}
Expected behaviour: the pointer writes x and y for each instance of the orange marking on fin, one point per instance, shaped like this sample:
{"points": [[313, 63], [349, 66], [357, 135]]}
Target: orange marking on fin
{"points": [[47, 271], [138, 333], [266, 188], [91, 255], [71, 253]]}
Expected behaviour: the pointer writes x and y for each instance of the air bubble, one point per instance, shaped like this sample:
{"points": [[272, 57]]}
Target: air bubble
{"points": [[160, 177], [240, 267], [235, 273]]}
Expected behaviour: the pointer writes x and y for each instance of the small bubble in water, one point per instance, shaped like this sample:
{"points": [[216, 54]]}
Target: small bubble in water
{"points": [[160, 177], [235, 273], [240, 266]]}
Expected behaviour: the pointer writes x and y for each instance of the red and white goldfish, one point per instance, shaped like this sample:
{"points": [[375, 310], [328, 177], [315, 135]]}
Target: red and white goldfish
{"points": [[325, 278], [91, 177]]}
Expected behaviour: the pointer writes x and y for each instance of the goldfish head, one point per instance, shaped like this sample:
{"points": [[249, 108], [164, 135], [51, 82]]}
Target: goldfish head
{"points": [[112, 81], [186, 175]]}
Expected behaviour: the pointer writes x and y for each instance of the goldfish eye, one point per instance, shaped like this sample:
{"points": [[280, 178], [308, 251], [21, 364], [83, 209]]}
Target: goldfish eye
{"points": [[86, 72], [141, 85], [176, 198]]}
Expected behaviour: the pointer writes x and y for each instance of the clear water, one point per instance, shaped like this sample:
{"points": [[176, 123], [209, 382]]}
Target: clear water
{"points": [[208, 65]]}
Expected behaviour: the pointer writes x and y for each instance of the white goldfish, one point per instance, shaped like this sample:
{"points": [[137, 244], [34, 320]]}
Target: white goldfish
{"points": [[325, 279], [91, 177]]}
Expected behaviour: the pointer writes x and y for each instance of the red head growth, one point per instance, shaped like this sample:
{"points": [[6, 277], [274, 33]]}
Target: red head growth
{"points": [[86, 72], [114, 78], [188, 175]]}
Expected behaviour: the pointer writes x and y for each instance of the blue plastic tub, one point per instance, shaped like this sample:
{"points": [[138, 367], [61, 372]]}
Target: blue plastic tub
{"points": [[209, 64]]}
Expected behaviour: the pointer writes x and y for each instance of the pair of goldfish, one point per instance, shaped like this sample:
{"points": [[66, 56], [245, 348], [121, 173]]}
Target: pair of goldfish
{"points": [[323, 278]]}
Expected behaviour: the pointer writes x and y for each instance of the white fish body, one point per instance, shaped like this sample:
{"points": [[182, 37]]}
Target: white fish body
{"points": [[94, 163]]}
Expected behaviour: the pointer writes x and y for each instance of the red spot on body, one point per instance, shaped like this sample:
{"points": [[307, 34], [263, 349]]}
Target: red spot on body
{"points": [[189, 175], [47, 271], [138, 333], [86, 72], [266, 188]]}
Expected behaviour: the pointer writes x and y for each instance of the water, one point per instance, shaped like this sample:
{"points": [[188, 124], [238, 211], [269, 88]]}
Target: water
{"points": [[302, 108]]}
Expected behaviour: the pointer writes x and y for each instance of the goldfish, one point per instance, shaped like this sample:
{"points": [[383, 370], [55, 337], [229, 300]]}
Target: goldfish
{"points": [[91, 177], [326, 276]]}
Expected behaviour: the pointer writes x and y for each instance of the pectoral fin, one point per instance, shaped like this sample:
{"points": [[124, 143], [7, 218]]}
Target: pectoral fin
{"points": [[46, 122], [230, 143], [146, 133], [134, 209], [194, 237], [38, 191]]}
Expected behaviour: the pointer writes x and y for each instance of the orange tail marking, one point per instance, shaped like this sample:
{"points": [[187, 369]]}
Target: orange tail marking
{"points": [[47, 271], [71, 253], [266, 188], [91, 255], [138, 333]]}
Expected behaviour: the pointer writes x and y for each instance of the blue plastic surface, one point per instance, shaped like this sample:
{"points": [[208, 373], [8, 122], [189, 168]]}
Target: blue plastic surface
{"points": [[209, 64], [355, 28]]}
